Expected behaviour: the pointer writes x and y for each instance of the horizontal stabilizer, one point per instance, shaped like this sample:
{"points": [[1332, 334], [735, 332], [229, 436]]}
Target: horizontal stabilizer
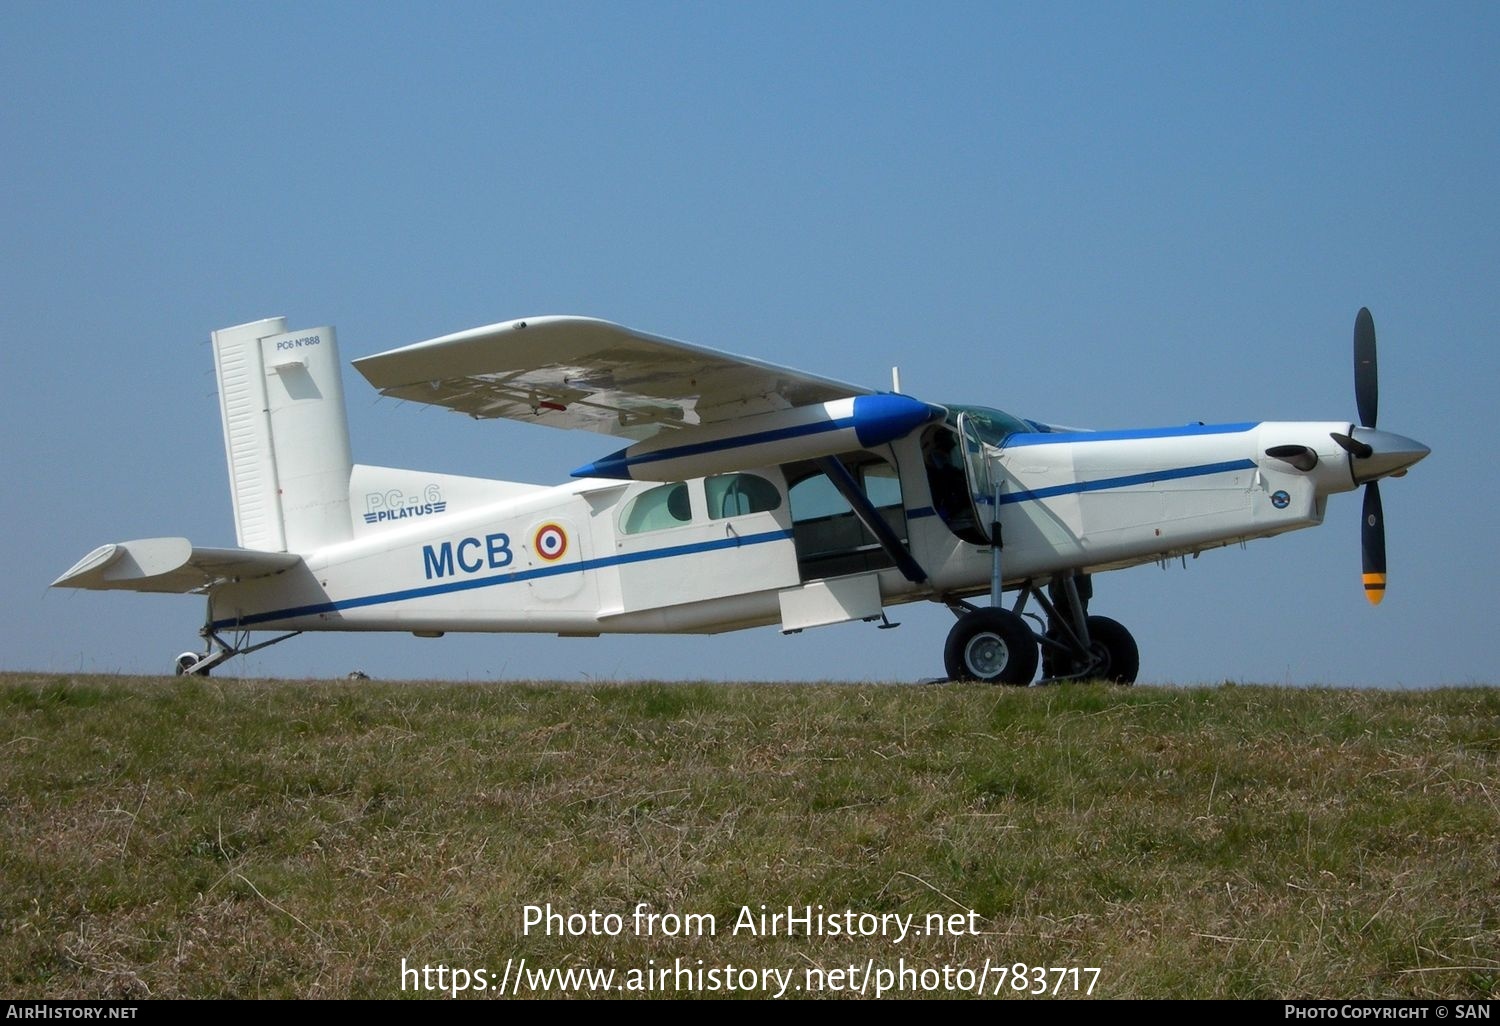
{"points": [[172, 565]]}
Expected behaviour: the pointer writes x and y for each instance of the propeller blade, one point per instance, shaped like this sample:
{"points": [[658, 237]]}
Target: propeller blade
{"points": [[1366, 372], [1372, 545]]}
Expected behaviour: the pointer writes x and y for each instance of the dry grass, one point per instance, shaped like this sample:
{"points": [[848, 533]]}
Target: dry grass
{"points": [[246, 838]]}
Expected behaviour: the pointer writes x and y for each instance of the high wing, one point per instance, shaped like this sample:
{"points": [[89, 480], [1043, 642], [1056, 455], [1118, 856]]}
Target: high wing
{"points": [[172, 565], [579, 372]]}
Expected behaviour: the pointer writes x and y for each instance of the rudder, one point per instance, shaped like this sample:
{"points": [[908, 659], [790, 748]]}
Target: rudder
{"points": [[286, 435]]}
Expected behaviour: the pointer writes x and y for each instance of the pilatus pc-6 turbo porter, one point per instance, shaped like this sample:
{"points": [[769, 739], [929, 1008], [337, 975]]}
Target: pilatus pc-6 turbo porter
{"points": [[748, 495]]}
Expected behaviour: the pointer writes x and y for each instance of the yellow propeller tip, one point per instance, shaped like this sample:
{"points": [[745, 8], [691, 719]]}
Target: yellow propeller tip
{"points": [[1374, 588]]}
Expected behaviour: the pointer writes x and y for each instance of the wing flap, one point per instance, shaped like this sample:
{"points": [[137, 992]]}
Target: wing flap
{"points": [[588, 374], [170, 565]]}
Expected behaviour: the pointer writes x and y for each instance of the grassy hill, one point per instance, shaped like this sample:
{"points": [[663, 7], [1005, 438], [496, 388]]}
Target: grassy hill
{"points": [[164, 837]]}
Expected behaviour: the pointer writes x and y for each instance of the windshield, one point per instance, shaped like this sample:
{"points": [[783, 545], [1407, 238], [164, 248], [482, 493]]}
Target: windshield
{"points": [[994, 426]]}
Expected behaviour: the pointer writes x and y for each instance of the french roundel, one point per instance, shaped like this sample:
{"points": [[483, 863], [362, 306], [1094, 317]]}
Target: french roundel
{"points": [[551, 542]]}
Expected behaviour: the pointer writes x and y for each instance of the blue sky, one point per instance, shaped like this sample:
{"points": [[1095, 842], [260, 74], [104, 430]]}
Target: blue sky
{"points": [[1101, 214]]}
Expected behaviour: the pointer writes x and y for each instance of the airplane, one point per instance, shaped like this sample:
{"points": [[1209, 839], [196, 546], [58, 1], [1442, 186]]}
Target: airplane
{"points": [[749, 494]]}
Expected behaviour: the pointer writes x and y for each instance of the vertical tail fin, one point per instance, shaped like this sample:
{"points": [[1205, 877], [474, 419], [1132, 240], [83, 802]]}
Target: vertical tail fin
{"points": [[286, 436]]}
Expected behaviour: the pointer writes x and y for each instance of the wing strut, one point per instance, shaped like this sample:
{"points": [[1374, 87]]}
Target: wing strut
{"points": [[871, 518]]}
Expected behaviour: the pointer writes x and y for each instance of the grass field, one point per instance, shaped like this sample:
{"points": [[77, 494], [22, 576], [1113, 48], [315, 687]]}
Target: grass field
{"points": [[217, 837]]}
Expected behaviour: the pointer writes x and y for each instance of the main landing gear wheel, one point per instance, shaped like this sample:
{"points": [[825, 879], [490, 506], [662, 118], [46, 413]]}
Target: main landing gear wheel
{"points": [[991, 645], [1113, 655], [1117, 659]]}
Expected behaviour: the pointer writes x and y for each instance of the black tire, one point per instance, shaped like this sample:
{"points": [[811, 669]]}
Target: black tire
{"points": [[1120, 659], [994, 646]]}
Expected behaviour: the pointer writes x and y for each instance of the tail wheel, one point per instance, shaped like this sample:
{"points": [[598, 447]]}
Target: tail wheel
{"points": [[184, 664], [991, 645]]}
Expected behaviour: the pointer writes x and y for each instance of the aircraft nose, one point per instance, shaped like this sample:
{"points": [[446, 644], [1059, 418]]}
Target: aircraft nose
{"points": [[1389, 454]]}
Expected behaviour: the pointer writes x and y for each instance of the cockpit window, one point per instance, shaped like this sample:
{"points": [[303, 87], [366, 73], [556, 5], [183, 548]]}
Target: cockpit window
{"points": [[732, 495], [994, 426]]}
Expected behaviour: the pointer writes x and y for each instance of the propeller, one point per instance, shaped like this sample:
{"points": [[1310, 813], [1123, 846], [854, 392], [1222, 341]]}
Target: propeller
{"points": [[1373, 454], [1367, 402]]}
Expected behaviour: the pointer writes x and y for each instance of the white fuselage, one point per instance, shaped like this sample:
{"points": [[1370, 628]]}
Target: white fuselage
{"points": [[579, 559]]}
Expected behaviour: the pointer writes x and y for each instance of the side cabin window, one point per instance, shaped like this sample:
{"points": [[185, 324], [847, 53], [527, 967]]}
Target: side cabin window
{"points": [[658, 508], [734, 495], [831, 541]]}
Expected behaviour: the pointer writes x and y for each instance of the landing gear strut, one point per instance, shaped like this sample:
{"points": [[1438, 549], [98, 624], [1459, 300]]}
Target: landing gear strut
{"points": [[998, 646], [191, 664], [1079, 646]]}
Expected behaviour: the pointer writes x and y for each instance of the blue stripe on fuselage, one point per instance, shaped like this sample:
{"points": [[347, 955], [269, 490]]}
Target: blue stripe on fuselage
{"points": [[1103, 484], [1068, 437], [1125, 481], [468, 584]]}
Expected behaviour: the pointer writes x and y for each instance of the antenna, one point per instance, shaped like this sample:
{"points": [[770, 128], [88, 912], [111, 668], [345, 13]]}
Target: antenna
{"points": [[896, 379]]}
